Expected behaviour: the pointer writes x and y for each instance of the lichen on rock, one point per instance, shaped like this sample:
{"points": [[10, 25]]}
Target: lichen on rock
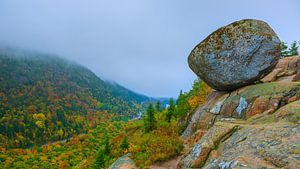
{"points": [[199, 153], [236, 55]]}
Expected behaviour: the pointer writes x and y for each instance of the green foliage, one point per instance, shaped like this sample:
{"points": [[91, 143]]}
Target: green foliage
{"points": [[170, 110], [158, 145], [101, 146], [284, 49], [99, 160], [81, 151], [157, 106], [189, 101], [150, 119], [291, 51], [294, 49], [124, 143], [107, 148]]}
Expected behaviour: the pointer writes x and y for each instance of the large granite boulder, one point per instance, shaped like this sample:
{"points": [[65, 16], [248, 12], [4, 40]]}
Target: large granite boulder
{"points": [[236, 55]]}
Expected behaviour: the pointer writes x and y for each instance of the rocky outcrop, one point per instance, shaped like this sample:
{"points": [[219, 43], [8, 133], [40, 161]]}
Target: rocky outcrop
{"points": [[236, 55], [242, 104], [255, 99], [289, 113], [199, 153], [250, 126], [202, 119], [274, 145], [287, 70], [263, 141], [257, 111], [123, 162], [257, 126]]}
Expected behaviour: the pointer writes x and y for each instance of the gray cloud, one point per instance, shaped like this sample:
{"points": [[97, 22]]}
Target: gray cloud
{"points": [[142, 45]]}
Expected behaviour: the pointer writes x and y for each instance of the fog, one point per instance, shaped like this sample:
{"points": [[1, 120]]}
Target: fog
{"points": [[140, 44]]}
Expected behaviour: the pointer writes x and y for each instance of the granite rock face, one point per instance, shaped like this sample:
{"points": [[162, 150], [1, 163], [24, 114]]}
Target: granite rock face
{"points": [[236, 55], [201, 150], [242, 104], [269, 145], [286, 70], [263, 141]]}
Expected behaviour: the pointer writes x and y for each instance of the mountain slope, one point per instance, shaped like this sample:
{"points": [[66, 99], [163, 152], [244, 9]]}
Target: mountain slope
{"points": [[45, 98]]}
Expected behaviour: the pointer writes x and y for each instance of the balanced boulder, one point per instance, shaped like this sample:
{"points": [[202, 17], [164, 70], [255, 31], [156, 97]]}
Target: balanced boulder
{"points": [[236, 55]]}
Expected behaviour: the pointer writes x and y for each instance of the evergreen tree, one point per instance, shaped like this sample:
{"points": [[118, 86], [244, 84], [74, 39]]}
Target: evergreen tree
{"points": [[179, 97], [284, 49], [150, 119], [171, 110], [124, 144], [107, 148], [99, 160], [157, 106], [294, 49]]}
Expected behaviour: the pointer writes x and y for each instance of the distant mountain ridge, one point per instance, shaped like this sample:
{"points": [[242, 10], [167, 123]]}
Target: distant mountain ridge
{"points": [[40, 91]]}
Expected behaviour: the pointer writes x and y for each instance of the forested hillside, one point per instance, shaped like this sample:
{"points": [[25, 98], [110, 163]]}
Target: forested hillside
{"points": [[45, 98], [151, 139]]}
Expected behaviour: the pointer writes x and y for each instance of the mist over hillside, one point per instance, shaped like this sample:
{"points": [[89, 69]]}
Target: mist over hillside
{"points": [[42, 90]]}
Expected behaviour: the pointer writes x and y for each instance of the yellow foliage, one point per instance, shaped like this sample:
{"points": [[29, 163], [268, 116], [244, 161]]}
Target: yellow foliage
{"points": [[40, 124], [7, 162], [39, 116], [199, 98], [26, 157], [43, 158], [194, 101]]}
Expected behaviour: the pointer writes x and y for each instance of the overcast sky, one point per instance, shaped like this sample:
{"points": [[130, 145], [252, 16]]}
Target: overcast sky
{"points": [[141, 44]]}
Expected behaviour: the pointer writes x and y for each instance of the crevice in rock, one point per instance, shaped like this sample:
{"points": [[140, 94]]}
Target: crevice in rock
{"points": [[275, 161], [228, 135], [223, 139], [284, 100]]}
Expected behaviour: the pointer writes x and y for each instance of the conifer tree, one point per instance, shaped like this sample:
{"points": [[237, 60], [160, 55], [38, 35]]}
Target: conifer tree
{"points": [[124, 144], [107, 148], [157, 106], [284, 49], [99, 160], [150, 119], [294, 49], [171, 110]]}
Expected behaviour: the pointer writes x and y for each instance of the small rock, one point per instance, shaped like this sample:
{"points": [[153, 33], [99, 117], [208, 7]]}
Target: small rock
{"points": [[216, 109], [123, 162]]}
